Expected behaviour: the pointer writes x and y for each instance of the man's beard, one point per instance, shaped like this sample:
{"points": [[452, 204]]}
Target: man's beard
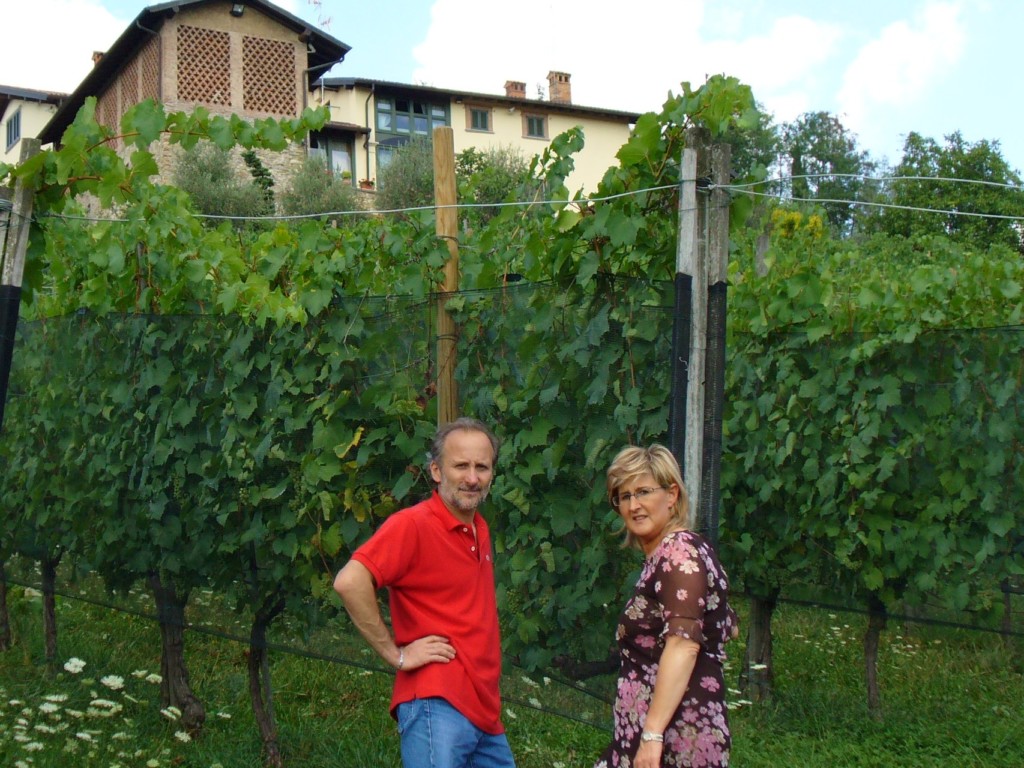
{"points": [[450, 494]]}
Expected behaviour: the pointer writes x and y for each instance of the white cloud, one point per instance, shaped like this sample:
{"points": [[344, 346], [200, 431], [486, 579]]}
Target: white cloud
{"points": [[904, 65], [619, 57], [57, 54], [784, 66], [792, 50]]}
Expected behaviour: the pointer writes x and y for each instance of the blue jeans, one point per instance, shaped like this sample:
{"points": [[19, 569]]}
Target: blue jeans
{"points": [[436, 735]]}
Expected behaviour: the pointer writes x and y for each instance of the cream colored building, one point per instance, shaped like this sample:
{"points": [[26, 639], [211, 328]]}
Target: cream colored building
{"points": [[23, 113], [371, 118]]}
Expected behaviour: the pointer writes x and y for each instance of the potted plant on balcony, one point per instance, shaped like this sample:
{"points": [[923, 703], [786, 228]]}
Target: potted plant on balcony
{"points": [[366, 183]]}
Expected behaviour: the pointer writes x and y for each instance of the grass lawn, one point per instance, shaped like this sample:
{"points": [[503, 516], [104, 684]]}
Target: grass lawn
{"points": [[951, 698]]}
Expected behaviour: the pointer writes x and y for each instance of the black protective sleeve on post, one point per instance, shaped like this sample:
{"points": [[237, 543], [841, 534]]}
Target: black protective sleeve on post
{"points": [[714, 406], [10, 302], [681, 323]]}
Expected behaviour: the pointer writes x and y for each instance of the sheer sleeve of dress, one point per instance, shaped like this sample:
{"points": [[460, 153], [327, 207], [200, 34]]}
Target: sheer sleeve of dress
{"points": [[682, 587]]}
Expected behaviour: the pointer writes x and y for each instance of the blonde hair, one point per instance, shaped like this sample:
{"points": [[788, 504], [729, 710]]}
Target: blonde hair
{"points": [[658, 462]]}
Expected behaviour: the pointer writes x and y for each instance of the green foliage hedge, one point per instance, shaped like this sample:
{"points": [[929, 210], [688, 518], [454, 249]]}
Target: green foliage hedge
{"points": [[240, 411]]}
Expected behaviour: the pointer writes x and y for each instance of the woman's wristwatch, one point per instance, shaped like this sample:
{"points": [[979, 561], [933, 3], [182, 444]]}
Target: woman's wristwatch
{"points": [[649, 736]]}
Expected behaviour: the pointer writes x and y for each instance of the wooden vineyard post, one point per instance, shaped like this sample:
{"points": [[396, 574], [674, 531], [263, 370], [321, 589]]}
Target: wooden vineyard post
{"points": [[447, 228], [15, 246]]}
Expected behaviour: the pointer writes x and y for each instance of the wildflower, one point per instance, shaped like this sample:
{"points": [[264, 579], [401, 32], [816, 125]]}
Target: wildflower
{"points": [[113, 682], [152, 763], [140, 673], [758, 667], [103, 708], [535, 703], [171, 713], [182, 736], [512, 715], [83, 736], [224, 715], [57, 698], [33, 746], [153, 678], [74, 665], [530, 682], [48, 707]]}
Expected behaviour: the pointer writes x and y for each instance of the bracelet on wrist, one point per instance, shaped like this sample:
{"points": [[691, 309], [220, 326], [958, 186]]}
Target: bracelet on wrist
{"points": [[401, 657], [650, 736]]}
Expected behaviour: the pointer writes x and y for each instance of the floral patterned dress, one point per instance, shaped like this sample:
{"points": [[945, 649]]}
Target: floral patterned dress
{"points": [[682, 590]]}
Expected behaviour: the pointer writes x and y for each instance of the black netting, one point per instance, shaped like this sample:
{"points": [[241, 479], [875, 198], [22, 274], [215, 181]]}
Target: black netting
{"points": [[566, 379]]}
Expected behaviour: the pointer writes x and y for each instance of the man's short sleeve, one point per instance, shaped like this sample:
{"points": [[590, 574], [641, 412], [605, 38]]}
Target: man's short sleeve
{"points": [[391, 551]]}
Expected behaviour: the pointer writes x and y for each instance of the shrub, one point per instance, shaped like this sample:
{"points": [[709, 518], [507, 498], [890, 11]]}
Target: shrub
{"points": [[484, 176], [314, 189], [408, 180], [216, 187], [491, 176]]}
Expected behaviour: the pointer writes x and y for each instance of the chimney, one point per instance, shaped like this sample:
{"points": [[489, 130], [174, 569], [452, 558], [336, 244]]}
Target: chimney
{"points": [[559, 89], [515, 89], [96, 56]]}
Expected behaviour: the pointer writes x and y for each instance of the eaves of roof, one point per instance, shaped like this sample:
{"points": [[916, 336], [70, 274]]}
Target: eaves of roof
{"points": [[326, 51], [9, 93], [491, 98], [343, 126], [28, 94]]}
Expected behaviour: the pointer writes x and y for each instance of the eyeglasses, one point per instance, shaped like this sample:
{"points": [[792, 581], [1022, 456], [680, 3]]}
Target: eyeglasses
{"points": [[623, 499]]}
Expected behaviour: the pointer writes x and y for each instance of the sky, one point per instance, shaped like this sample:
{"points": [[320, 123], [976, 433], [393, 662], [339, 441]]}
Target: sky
{"points": [[884, 67]]}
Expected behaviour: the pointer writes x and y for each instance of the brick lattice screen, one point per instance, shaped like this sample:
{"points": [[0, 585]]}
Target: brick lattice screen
{"points": [[129, 82], [204, 66], [149, 65], [107, 112], [268, 76]]}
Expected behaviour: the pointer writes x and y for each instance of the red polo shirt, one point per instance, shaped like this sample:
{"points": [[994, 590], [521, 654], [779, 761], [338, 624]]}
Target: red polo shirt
{"points": [[440, 581]]}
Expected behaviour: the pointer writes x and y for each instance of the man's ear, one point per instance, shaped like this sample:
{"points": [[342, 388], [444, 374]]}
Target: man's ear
{"points": [[435, 472]]}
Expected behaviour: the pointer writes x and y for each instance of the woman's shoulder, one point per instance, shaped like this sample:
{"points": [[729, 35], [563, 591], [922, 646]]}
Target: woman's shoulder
{"points": [[689, 544], [688, 538], [681, 542]]}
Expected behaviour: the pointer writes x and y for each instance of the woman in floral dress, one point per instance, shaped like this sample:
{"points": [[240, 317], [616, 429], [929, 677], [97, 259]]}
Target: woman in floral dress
{"points": [[670, 704]]}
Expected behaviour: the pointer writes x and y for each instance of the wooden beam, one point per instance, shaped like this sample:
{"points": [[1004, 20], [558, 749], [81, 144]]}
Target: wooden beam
{"points": [[447, 228]]}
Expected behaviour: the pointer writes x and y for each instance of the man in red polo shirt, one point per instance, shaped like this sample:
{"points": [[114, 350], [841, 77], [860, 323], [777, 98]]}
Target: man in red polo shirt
{"points": [[436, 560]]}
